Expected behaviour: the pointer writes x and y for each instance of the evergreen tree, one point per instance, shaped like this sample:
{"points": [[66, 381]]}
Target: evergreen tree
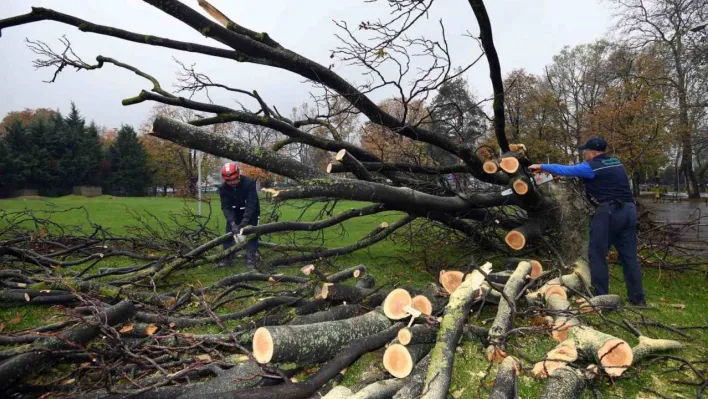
{"points": [[455, 115], [90, 156], [128, 165], [20, 162]]}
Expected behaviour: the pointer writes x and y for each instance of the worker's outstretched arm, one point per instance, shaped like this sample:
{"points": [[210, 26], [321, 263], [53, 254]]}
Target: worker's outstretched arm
{"points": [[249, 213], [582, 170]]}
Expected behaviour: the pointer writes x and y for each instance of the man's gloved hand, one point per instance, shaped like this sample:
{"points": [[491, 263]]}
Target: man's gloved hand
{"points": [[239, 238], [236, 230]]}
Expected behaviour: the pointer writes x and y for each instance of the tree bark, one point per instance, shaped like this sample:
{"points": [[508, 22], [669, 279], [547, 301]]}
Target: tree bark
{"points": [[507, 308], [314, 343], [437, 380], [343, 359], [564, 383], [506, 384]]}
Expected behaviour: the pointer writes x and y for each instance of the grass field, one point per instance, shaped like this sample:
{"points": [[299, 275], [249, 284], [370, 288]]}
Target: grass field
{"points": [[677, 298]]}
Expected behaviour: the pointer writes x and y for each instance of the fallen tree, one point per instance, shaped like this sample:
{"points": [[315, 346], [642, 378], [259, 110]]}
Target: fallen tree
{"points": [[315, 323]]}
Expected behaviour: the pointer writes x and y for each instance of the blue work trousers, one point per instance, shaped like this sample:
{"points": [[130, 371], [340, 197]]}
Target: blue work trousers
{"points": [[615, 224]]}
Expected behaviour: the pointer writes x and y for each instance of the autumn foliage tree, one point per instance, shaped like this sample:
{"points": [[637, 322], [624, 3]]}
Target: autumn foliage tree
{"points": [[388, 144]]}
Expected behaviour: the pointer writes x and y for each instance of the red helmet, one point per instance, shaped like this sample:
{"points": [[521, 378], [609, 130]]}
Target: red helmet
{"points": [[230, 171]]}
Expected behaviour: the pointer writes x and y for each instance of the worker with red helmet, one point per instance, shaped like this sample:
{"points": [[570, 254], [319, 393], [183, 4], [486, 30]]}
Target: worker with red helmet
{"points": [[239, 202]]}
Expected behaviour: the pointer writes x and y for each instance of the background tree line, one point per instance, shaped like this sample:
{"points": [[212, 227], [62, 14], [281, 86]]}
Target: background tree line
{"points": [[43, 150]]}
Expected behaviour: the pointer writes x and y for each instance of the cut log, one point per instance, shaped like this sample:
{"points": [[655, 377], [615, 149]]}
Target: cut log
{"points": [[520, 148], [395, 303], [353, 164], [510, 264], [649, 346], [520, 186], [307, 269], [578, 280], [385, 389], [399, 360], [564, 383], [506, 384], [600, 303], [48, 352], [342, 293], [490, 167], [367, 281], [509, 164], [614, 355], [516, 239], [554, 290], [437, 379], [560, 356], [422, 304], [336, 313], [506, 310], [352, 272], [418, 334], [138, 330], [562, 324], [343, 359], [450, 280], [314, 343]]}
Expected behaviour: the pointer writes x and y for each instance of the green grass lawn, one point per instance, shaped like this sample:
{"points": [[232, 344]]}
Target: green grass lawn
{"points": [[394, 262]]}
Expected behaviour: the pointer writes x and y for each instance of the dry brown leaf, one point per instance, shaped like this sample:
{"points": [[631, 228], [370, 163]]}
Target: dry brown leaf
{"points": [[126, 328], [21, 285], [69, 381], [203, 358], [457, 394], [17, 319], [2, 327], [679, 306], [151, 329], [170, 302], [539, 321]]}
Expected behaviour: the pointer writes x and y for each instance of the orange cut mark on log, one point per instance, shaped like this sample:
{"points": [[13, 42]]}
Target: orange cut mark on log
{"points": [[398, 361], [395, 303], [515, 240], [490, 167], [126, 328], [422, 304], [536, 268], [615, 356], [262, 345], [509, 164], [520, 187]]}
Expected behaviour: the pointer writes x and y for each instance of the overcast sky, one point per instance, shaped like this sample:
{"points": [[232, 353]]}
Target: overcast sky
{"points": [[527, 34]]}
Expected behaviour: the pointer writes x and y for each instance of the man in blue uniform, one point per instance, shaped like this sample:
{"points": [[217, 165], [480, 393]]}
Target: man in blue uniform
{"points": [[615, 219], [239, 202]]}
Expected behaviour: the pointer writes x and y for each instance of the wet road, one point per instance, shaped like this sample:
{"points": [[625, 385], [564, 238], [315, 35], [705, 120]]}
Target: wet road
{"points": [[684, 212]]}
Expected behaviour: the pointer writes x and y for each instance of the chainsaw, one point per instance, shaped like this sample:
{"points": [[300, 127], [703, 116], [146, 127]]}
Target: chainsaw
{"points": [[540, 177]]}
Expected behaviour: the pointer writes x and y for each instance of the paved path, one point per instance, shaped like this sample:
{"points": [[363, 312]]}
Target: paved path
{"points": [[682, 212]]}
